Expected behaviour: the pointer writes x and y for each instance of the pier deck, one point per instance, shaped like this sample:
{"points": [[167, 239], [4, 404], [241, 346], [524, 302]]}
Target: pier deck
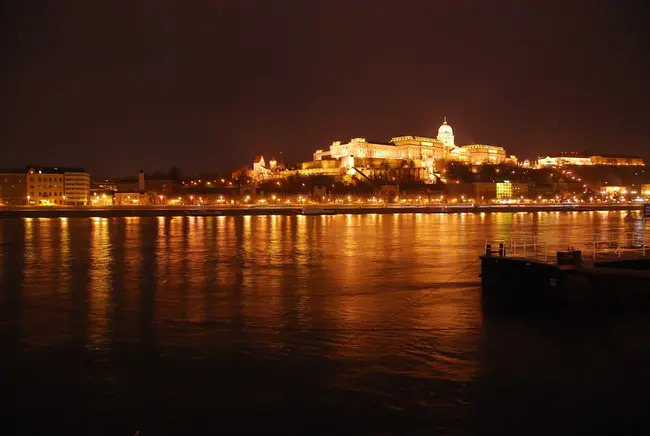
{"points": [[611, 274]]}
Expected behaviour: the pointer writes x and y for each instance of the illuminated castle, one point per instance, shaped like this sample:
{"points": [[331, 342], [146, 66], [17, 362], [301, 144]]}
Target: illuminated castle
{"points": [[416, 148], [417, 153]]}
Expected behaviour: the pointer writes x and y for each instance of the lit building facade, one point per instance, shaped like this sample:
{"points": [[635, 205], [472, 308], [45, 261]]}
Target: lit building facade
{"points": [[573, 158], [76, 186], [158, 185], [416, 148], [104, 198], [407, 152], [486, 191], [46, 187], [617, 160], [510, 190], [134, 198], [402, 147], [614, 191], [143, 191], [645, 190], [478, 154]]}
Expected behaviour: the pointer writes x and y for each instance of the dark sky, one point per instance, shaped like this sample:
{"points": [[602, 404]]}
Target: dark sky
{"points": [[205, 85]]}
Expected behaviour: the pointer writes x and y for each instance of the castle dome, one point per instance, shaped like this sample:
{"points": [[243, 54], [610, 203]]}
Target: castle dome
{"points": [[446, 134], [445, 129]]}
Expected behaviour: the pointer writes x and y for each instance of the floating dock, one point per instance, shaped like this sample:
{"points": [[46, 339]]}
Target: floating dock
{"points": [[611, 271]]}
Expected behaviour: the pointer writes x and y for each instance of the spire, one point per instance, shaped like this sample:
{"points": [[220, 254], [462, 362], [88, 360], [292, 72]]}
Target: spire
{"points": [[444, 120]]}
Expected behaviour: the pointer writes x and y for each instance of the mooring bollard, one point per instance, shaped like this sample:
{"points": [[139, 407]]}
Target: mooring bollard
{"points": [[488, 249], [502, 249]]}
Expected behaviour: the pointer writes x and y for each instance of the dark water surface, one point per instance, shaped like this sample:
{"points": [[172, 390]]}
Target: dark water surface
{"points": [[365, 324]]}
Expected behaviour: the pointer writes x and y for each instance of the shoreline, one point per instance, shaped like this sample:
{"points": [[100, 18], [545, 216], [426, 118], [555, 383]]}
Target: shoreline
{"points": [[175, 211]]}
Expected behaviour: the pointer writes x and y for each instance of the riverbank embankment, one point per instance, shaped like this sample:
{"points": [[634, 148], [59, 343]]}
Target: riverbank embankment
{"points": [[171, 211]]}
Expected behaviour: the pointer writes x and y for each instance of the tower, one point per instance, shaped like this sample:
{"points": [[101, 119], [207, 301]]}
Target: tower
{"points": [[141, 186], [446, 134]]}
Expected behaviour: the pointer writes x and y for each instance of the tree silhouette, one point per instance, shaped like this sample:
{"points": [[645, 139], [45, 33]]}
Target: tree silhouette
{"points": [[174, 173]]}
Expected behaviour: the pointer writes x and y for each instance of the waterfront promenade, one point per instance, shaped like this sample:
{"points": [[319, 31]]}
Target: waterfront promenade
{"points": [[311, 209]]}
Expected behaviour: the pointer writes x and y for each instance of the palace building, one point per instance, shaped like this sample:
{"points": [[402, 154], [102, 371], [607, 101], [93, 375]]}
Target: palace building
{"points": [[416, 148], [584, 158], [421, 152]]}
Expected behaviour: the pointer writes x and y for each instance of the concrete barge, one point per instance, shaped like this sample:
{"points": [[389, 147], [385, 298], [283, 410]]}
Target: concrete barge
{"points": [[616, 281]]}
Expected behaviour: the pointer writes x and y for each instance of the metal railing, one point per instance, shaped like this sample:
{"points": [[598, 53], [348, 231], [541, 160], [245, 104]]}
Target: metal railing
{"points": [[606, 244]]}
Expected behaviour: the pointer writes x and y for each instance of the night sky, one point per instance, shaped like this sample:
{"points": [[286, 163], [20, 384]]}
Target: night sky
{"points": [[115, 86]]}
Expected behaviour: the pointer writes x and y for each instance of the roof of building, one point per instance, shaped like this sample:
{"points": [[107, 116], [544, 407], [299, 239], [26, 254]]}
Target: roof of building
{"points": [[481, 146], [54, 170], [417, 138], [575, 154], [445, 128], [42, 170], [616, 156]]}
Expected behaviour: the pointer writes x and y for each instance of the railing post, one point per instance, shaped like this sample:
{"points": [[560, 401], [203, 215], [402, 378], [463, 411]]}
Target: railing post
{"points": [[595, 248], [643, 245], [546, 252]]}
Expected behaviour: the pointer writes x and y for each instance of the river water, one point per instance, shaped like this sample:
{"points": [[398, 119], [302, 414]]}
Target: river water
{"points": [[367, 324]]}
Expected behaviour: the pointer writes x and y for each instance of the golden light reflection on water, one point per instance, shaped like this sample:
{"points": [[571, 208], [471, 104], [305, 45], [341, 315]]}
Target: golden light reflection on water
{"points": [[243, 261], [64, 256], [99, 286], [128, 270], [195, 266], [30, 268], [353, 286]]}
